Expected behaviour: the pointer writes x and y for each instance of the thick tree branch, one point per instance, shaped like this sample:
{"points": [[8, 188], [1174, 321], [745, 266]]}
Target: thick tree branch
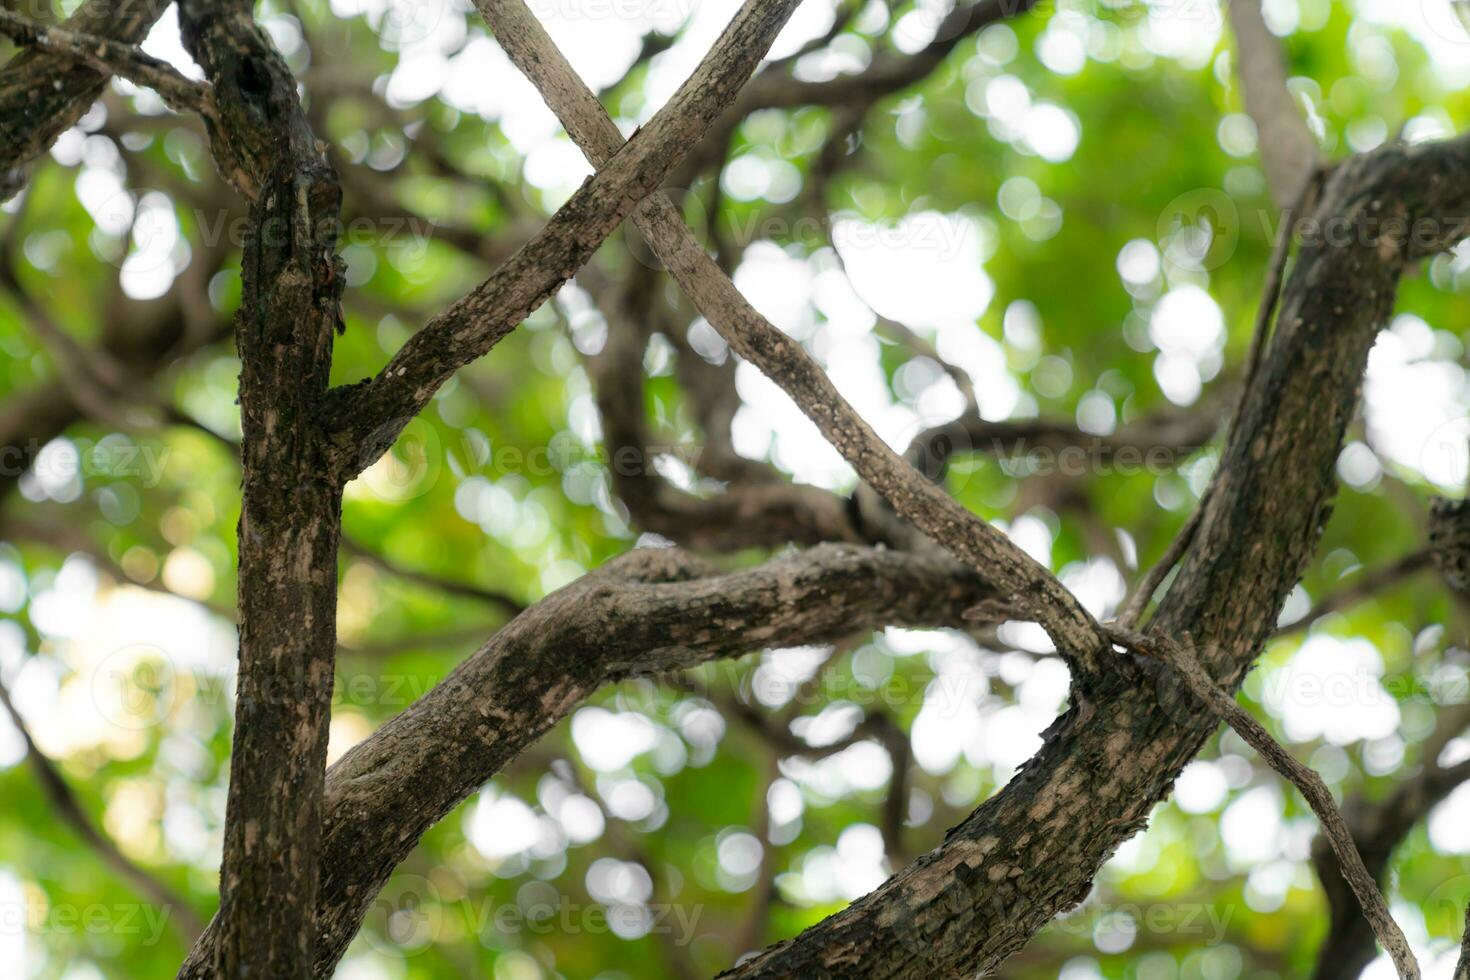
{"points": [[291, 509], [649, 612], [1032, 850]]}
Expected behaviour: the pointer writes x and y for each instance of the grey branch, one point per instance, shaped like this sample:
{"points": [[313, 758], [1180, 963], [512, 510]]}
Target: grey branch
{"points": [[1316, 793], [782, 359], [1288, 150], [369, 416]]}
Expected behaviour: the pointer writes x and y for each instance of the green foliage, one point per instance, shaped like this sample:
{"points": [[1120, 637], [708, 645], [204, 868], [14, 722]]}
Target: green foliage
{"points": [[503, 484]]}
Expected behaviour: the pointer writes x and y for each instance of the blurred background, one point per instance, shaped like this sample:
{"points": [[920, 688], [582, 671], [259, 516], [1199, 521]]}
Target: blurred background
{"points": [[1060, 218]]}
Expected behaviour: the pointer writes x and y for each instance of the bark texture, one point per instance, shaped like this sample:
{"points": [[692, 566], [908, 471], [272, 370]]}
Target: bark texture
{"points": [[290, 519], [648, 612], [42, 95], [1031, 851]]}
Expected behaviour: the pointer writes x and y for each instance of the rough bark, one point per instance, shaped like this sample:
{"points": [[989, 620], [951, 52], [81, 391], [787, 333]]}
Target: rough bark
{"points": [[648, 612], [290, 518], [42, 94], [1031, 851]]}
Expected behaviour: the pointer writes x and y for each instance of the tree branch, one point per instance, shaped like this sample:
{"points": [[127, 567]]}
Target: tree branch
{"points": [[648, 612], [291, 283], [367, 417], [1316, 793], [1288, 149], [42, 95], [1032, 850], [105, 55], [782, 359]]}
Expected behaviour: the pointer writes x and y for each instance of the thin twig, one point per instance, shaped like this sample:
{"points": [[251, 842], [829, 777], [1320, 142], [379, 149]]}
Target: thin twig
{"points": [[1370, 583], [112, 57], [466, 590], [69, 808], [1317, 795], [1138, 602]]}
